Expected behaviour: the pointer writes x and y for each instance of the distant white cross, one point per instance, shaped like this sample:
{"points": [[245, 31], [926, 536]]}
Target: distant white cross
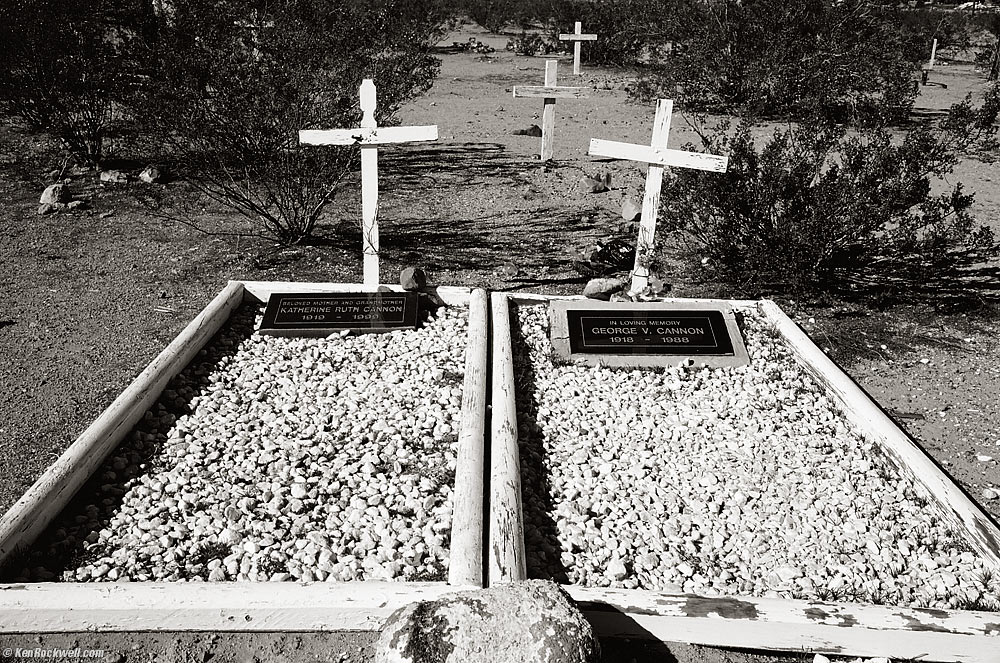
{"points": [[657, 156], [369, 136], [549, 92], [576, 37]]}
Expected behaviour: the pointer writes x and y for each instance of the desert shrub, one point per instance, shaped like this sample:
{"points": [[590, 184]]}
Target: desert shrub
{"points": [[988, 57], [495, 15], [817, 209], [773, 58], [629, 32], [919, 28], [530, 44], [234, 88], [72, 69]]}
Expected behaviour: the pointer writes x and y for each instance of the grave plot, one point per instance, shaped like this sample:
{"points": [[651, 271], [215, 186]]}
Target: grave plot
{"points": [[337, 457], [657, 493]]}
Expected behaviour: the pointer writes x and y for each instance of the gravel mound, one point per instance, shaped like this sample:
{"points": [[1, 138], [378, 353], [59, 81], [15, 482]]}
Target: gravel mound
{"points": [[724, 481], [296, 459]]}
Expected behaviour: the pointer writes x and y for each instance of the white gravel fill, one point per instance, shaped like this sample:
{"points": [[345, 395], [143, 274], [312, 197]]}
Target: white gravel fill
{"points": [[723, 481], [302, 459]]}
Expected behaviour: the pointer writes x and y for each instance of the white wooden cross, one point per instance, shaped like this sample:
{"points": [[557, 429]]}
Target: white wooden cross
{"points": [[930, 65], [369, 136], [576, 37], [549, 92], [657, 156]]}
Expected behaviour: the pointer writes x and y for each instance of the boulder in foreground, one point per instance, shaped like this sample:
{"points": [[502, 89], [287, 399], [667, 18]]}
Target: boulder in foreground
{"points": [[530, 622]]}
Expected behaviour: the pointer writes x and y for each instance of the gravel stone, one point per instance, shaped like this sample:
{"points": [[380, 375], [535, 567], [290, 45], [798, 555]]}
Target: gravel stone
{"points": [[274, 466], [735, 480]]}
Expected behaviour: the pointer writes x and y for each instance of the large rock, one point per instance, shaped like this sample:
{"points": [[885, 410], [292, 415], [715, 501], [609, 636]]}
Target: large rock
{"points": [[529, 622], [602, 288], [55, 194]]}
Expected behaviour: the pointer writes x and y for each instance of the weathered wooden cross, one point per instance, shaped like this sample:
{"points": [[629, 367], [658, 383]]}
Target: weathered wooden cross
{"points": [[657, 156], [549, 92], [576, 37], [369, 136]]}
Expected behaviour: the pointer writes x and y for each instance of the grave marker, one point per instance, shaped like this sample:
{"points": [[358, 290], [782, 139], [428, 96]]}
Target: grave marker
{"points": [[549, 93], [577, 38], [369, 136], [646, 333], [320, 314], [657, 156]]}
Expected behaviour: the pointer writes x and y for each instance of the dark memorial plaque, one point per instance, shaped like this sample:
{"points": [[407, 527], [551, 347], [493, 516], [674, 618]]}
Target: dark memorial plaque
{"points": [[646, 333], [322, 313]]}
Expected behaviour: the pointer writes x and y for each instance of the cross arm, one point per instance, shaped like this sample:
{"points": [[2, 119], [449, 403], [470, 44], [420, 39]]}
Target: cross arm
{"points": [[572, 36], [657, 156], [551, 92], [362, 136]]}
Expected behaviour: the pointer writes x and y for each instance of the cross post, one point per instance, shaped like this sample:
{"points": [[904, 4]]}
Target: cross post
{"points": [[549, 93], [577, 37], [657, 156], [369, 136]]}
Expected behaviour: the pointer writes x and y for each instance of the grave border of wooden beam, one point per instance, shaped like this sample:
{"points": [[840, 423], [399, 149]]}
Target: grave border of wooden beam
{"points": [[361, 604], [137, 607], [786, 624]]}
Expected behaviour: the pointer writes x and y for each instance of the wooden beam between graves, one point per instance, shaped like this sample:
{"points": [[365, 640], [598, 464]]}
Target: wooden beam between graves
{"points": [[793, 626], [551, 92], [465, 565], [952, 503], [657, 156], [506, 534], [53, 490], [368, 136], [216, 606]]}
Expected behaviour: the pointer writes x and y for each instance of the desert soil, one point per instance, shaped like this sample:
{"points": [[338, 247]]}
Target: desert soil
{"points": [[91, 296]]}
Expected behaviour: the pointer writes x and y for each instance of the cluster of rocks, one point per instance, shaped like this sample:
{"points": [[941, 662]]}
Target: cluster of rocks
{"points": [[735, 481], [297, 459]]}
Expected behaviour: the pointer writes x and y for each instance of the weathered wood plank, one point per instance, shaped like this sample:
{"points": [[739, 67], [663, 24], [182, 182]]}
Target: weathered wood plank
{"points": [[549, 112], [53, 490], [218, 606], [466, 564], [964, 515], [368, 136], [651, 199], [506, 534], [659, 156], [552, 92], [790, 625]]}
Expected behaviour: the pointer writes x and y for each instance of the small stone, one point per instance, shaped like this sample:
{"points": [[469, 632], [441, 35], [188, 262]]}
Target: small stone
{"points": [[299, 491], [819, 658], [153, 175], [598, 184], [114, 177], [603, 288], [630, 210], [990, 494], [533, 130], [55, 194], [412, 278]]}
